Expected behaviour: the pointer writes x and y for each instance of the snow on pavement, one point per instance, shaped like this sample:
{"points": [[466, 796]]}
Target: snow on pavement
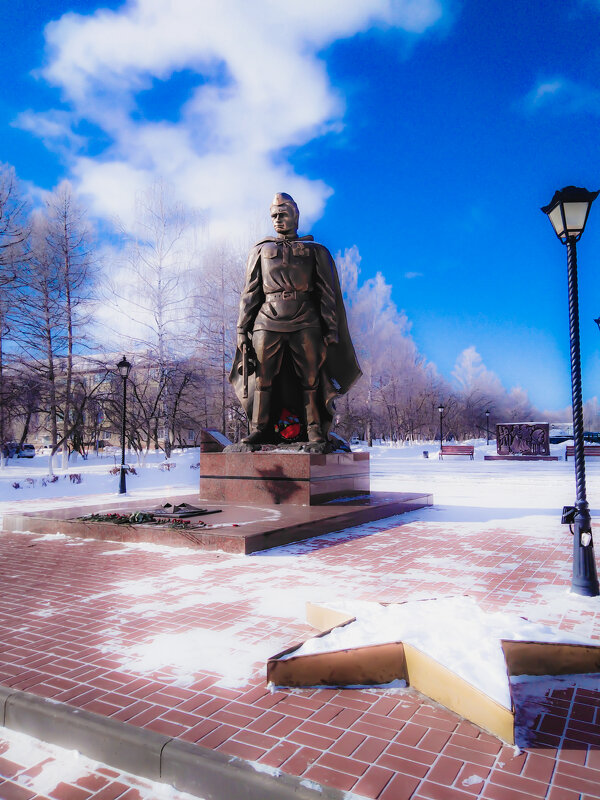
{"points": [[470, 497]]}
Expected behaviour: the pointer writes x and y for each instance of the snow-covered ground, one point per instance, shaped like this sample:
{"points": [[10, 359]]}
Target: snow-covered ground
{"points": [[469, 497], [507, 488], [24, 482], [456, 481]]}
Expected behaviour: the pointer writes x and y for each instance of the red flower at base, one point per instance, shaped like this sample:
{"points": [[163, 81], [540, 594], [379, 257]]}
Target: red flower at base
{"points": [[288, 425]]}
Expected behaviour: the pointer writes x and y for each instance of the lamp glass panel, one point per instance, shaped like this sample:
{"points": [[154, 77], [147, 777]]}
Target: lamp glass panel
{"points": [[556, 220], [575, 215]]}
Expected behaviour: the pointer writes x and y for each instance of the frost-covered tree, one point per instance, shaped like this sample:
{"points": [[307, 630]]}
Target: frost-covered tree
{"points": [[54, 310], [14, 233], [591, 414], [153, 292], [480, 389], [398, 389], [13, 224], [220, 285], [69, 245]]}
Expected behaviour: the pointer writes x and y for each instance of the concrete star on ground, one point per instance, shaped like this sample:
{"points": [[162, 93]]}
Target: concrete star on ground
{"points": [[446, 648]]}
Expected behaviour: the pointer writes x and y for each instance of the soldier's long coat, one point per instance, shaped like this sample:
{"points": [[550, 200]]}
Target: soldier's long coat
{"points": [[340, 369]]}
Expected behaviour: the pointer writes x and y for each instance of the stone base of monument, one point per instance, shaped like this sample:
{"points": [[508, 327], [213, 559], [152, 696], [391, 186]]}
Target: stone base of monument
{"points": [[248, 501], [279, 476], [234, 527], [520, 458]]}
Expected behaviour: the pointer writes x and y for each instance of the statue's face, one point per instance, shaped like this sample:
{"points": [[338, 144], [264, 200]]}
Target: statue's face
{"points": [[284, 219]]}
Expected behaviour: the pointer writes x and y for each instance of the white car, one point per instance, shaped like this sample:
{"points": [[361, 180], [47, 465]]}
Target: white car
{"points": [[46, 449], [25, 451]]}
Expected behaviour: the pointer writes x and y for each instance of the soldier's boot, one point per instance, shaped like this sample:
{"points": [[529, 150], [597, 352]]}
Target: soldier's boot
{"points": [[261, 408], [313, 418]]}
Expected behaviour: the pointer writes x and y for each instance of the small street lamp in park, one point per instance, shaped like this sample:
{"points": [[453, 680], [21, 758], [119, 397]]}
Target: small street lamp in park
{"points": [[441, 410], [123, 366], [487, 427], [568, 212]]}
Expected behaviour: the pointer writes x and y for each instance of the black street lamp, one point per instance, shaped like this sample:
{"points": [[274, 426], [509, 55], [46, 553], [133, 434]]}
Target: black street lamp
{"points": [[568, 212], [441, 410], [123, 366], [487, 427]]}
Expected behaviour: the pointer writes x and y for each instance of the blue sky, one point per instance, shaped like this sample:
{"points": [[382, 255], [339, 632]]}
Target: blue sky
{"points": [[427, 133]]}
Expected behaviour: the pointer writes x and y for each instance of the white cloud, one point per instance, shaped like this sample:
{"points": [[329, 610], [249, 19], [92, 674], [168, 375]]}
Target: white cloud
{"points": [[545, 91], [411, 275], [563, 96], [261, 88], [54, 127]]}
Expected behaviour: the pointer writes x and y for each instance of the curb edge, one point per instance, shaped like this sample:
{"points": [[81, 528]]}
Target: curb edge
{"points": [[188, 767]]}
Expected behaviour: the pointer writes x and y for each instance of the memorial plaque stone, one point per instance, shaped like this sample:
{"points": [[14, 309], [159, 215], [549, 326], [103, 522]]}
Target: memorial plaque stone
{"points": [[523, 438]]}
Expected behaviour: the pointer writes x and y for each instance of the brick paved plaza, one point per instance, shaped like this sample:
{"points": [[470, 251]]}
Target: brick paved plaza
{"points": [[82, 622]]}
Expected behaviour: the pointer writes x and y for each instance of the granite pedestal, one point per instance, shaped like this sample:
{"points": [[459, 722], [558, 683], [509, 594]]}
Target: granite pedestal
{"points": [[276, 477], [235, 528]]}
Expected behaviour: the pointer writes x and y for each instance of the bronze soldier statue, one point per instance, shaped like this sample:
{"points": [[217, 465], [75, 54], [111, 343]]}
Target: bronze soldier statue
{"points": [[292, 322]]}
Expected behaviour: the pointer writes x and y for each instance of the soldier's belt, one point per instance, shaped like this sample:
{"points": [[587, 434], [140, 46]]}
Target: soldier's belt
{"points": [[287, 295]]}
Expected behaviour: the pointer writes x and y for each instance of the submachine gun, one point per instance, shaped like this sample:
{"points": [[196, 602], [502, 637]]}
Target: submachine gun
{"points": [[248, 366]]}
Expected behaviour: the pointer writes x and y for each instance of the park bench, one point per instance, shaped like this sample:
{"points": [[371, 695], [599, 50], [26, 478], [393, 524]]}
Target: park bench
{"points": [[588, 450], [458, 450]]}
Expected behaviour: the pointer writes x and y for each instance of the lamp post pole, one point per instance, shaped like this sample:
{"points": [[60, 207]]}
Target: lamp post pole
{"points": [[568, 213], [123, 366], [585, 579], [487, 427], [441, 410]]}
